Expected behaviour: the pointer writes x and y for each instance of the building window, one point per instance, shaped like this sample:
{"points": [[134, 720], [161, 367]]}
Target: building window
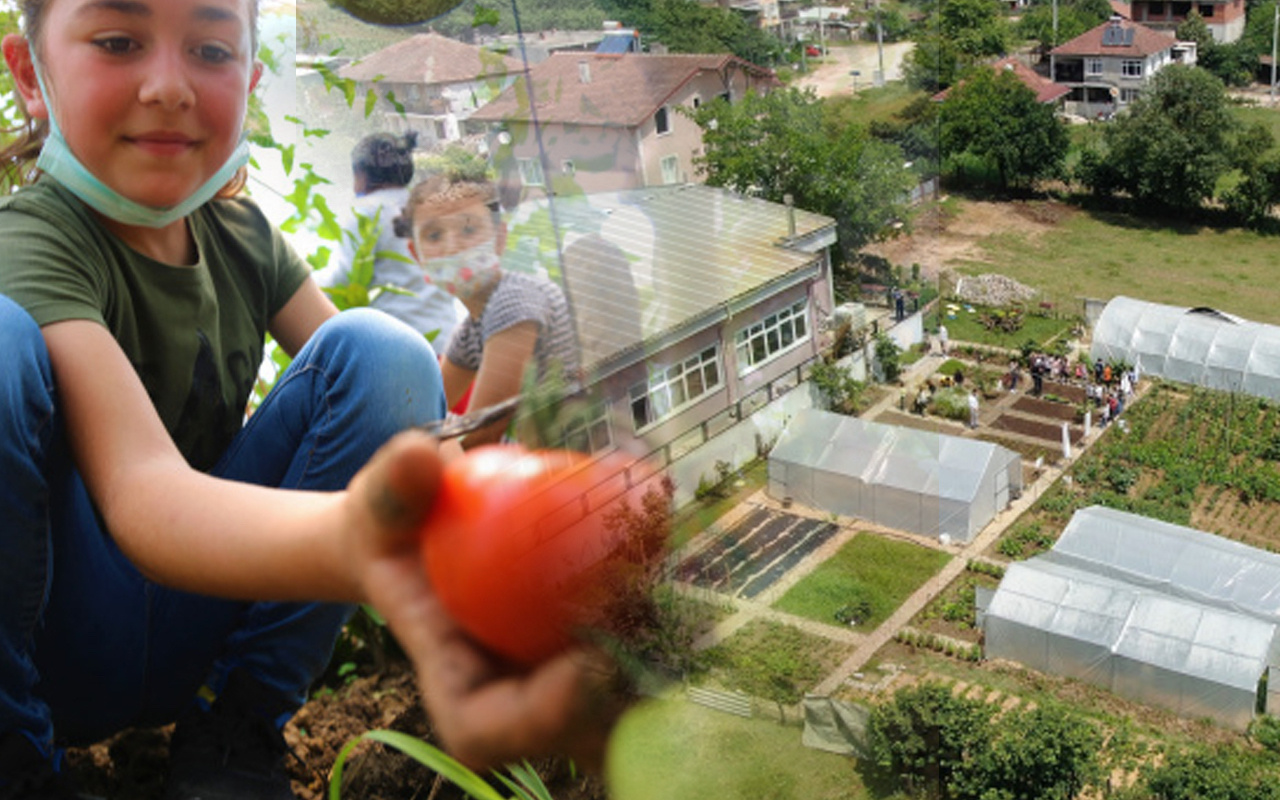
{"points": [[697, 102], [1093, 66], [1129, 95], [670, 169], [670, 389], [775, 334], [1155, 10], [1131, 68], [589, 433], [1206, 11], [662, 121], [531, 172]]}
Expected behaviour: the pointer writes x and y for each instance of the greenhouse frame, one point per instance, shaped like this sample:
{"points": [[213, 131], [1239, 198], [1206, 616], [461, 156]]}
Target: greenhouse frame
{"points": [[1199, 346], [911, 480], [1155, 612]]}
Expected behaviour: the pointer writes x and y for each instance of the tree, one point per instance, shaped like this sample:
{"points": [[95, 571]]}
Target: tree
{"points": [[958, 34], [995, 118], [1172, 146], [1048, 753], [1211, 774], [779, 144], [920, 741], [1074, 18], [687, 26]]}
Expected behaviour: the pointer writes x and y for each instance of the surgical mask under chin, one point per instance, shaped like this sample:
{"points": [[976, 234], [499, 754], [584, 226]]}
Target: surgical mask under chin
{"points": [[463, 273], [57, 160]]}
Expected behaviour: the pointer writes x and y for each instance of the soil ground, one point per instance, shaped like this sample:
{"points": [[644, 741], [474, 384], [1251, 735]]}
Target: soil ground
{"points": [[131, 766], [940, 236]]}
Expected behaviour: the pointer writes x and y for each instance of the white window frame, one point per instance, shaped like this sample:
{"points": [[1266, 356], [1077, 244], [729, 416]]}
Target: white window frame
{"points": [[670, 166], [1093, 66], [592, 434], [662, 121], [1132, 68], [776, 334], [1128, 95], [531, 172], [670, 390]]}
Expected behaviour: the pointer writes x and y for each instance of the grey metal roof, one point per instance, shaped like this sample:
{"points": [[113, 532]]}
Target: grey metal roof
{"points": [[646, 267]]}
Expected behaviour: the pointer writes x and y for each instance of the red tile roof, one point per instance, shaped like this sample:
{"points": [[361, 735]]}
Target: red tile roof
{"points": [[430, 58], [621, 90], [1145, 42], [1046, 90]]}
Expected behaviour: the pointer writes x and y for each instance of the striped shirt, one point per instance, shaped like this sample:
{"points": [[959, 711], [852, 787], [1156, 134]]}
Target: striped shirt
{"points": [[520, 298]]}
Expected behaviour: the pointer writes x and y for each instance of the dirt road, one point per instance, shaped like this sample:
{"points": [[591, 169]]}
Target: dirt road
{"points": [[830, 74]]}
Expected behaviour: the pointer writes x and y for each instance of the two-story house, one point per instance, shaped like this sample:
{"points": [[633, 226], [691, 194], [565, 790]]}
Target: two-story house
{"points": [[1107, 67], [600, 123], [1224, 18], [435, 83]]}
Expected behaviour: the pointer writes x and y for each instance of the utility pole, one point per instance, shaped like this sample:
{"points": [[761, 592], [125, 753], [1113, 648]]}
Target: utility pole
{"points": [[880, 42], [1275, 29], [1055, 24]]}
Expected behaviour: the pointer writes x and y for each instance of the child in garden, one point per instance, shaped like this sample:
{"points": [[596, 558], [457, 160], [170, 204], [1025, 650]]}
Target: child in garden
{"points": [[455, 231], [382, 169], [144, 523]]}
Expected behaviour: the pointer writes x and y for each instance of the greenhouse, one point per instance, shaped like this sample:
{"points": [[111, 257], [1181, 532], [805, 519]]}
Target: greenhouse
{"points": [[1154, 612], [1191, 345], [906, 479]]}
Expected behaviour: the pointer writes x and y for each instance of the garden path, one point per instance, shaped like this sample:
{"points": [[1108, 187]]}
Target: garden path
{"points": [[866, 645]]}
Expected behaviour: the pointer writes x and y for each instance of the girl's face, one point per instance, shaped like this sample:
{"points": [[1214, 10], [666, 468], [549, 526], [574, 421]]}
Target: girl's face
{"points": [[150, 94], [446, 229]]}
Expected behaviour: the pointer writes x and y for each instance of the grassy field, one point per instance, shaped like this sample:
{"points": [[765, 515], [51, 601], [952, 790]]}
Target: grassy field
{"points": [[668, 750], [1101, 255], [882, 571]]}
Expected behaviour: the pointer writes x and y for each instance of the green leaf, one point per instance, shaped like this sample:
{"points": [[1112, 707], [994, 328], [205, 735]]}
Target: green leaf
{"points": [[370, 102], [485, 16], [430, 757]]}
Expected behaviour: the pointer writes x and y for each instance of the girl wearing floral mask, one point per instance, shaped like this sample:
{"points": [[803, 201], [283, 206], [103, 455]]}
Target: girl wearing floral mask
{"points": [[514, 320], [143, 522]]}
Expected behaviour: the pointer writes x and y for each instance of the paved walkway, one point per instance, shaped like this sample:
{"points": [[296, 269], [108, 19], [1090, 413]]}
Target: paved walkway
{"points": [[866, 645]]}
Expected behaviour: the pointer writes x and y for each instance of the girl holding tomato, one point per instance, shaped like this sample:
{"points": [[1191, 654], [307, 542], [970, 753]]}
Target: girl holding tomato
{"points": [[514, 320], [154, 542]]}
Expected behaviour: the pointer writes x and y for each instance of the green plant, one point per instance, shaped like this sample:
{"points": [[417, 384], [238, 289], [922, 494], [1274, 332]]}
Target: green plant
{"points": [[524, 783], [888, 355]]}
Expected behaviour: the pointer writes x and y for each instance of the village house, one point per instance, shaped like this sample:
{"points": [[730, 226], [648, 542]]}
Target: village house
{"points": [[600, 122], [1224, 18], [1046, 90], [695, 308], [1108, 67], [435, 83]]}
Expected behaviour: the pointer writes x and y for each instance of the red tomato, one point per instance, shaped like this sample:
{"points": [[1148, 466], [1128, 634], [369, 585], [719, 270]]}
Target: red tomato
{"points": [[515, 551]]}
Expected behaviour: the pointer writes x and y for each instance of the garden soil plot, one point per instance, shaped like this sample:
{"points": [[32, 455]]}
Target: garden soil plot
{"points": [[1048, 432], [756, 552], [131, 765], [1035, 406]]}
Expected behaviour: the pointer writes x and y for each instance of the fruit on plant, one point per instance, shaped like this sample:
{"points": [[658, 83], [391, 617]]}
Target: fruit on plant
{"points": [[522, 556], [396, 12]]}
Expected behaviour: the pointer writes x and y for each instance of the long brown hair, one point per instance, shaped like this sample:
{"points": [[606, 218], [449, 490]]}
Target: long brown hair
{"points": [[24, 140]]}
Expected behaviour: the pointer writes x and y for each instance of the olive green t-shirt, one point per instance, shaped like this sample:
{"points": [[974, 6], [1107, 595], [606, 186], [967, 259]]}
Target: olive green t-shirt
{"points": [[194, 333]]}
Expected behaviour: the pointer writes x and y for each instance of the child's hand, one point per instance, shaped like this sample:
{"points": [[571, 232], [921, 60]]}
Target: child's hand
{"points": [[486, 713]]}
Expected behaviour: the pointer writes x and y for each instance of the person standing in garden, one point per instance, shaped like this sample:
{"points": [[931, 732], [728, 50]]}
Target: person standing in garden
{"points": [[942, 337], [156, 544], [973, 408]]}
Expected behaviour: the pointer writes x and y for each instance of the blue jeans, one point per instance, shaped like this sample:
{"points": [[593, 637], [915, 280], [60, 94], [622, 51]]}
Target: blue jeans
{"points": [[87, 645]]}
